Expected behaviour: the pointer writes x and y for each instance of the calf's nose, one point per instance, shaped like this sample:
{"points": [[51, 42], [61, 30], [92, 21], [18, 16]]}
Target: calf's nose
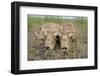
{"points": [[64, 48], [46, 47], [57, 36]]}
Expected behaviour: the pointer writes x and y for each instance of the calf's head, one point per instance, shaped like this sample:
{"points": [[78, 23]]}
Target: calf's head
{"points": [[51, 33], [70, 30]]}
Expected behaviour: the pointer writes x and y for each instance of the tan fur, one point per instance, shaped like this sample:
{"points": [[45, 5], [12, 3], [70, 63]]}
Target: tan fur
{"points": [[49, 32], [64, 42], [70, 30]]}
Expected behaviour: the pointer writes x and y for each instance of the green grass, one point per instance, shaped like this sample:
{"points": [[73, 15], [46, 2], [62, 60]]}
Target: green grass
{"points": [[78, 49]]}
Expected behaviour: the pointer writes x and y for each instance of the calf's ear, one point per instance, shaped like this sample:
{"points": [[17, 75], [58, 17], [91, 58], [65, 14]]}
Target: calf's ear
{"points": [[39, 35], [36, 35]]}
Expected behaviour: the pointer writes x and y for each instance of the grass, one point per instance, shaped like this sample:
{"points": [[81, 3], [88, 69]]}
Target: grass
{"points": [[78, 49]]}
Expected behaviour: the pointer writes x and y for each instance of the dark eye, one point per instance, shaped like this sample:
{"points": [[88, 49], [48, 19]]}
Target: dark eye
{"points": [[47, 31], [71, 37]]}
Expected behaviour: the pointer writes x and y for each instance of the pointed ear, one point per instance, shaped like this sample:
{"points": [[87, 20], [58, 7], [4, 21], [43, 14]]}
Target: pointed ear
{"points": [[43, 31], [36, 35]]}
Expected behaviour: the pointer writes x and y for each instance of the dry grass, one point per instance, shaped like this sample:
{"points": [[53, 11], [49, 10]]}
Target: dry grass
{"points": [[78, 48]]}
